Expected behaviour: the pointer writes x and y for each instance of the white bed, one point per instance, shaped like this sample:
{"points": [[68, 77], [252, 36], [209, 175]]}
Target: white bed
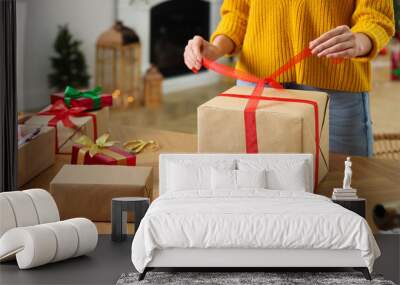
{"points": [[249, 227]]}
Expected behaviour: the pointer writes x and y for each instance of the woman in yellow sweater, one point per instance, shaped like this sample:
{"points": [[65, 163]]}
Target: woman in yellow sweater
{"points": [[267, 33]]}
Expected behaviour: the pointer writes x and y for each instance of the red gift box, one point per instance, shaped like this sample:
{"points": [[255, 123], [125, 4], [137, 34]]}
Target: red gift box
{"points": [[106, 100], [106, 156], [69, 122]]}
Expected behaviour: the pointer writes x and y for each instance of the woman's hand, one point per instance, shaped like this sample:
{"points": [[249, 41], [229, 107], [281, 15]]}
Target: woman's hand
{"points": [[196, 49], [341, 42]]}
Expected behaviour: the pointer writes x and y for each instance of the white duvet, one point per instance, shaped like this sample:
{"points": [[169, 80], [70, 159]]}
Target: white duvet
{"points": [[250, 219]]}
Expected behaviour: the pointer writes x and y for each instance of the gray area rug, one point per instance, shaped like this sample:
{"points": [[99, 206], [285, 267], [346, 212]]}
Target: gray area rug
{"points": [[243, 278]]}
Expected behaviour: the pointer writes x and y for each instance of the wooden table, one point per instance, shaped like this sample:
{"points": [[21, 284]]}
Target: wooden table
{"points": [[376, 180]]}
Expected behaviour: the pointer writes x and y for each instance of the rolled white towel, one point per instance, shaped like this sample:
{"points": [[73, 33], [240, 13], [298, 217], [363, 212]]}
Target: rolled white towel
{"points": [[7, 218], [32, 246], [87, 235], [45, 206], [26, 208], [24, 211], [67, 240], [40, 244]]}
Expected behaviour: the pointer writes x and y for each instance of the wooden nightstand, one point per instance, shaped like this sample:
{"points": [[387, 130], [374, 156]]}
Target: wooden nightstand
{"points": [[357, 206]]}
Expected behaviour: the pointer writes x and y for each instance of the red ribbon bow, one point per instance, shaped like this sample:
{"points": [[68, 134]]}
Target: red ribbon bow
{"points": [[62, 113], [256, 97]]}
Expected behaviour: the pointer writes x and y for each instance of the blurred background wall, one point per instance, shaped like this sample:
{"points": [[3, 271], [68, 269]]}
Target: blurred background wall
{"points": [[37, 26]]}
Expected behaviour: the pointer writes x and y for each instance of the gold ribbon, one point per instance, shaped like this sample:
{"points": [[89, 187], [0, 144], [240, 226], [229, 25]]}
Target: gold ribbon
{"points": [[137, 146], [95, 147], [100, 146]]}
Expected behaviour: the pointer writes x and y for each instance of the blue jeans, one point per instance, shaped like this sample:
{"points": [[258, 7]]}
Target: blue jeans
{"points": [[350, 126]]}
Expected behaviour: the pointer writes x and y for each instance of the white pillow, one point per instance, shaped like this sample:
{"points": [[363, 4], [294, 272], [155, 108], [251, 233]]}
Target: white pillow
{"points": [[291, 175], [293, 180], [223, 179], [236, 179], [251, 179], [186, 175]]}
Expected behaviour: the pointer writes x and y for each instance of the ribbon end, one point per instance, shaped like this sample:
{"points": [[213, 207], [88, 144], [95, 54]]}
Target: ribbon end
{"points": [[337, 60], [276, 85]]}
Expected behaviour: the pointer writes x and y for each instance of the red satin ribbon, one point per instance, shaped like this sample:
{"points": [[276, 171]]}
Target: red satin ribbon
{"points": [[255, 98], [62, 113], [251, 127]]}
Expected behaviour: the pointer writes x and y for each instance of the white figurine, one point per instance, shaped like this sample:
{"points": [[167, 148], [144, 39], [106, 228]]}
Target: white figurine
{"points": [[347, 174]]}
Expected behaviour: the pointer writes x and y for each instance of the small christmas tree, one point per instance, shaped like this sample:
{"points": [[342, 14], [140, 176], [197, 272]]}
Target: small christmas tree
{"points": [[69, 65]]}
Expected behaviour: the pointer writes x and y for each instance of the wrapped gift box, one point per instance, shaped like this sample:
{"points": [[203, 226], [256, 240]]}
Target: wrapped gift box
{"points": [[105, 100], [281, 127], [87, 123], [87, 190], [108, 156], [36, 154]]}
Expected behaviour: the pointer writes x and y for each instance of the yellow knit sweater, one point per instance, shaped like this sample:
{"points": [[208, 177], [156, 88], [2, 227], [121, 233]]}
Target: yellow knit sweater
{"points": [[269, 32]]}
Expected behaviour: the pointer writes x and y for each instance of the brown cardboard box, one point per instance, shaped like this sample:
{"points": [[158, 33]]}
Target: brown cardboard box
{"points": [[87, 190], [282, 127], [66, 136], [35, 155]]}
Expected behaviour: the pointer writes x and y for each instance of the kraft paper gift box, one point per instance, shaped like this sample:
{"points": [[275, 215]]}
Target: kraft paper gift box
{"points": [[35, 155], [280, 127], [87, 190], [71, 124]]}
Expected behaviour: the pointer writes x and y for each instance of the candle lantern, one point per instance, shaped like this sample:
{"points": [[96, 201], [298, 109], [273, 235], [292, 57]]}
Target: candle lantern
{"points": [[118, 63], [153, 87]]}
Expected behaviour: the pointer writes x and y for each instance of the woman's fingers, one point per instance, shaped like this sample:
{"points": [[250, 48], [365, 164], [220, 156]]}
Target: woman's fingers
{"points": [[332, 42], [189, 58], [337, 48], [190, 55], [339, 42], [193, 53], [196, 49], [197, 44], [328, 35], [197, 63]]}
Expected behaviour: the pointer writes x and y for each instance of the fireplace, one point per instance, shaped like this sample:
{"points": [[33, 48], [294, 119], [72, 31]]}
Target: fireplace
{"points": [[172, 24], [164, 27]]}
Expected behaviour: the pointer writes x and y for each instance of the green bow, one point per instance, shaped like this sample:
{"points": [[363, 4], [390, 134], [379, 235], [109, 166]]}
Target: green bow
{"points": [[94, 94]]}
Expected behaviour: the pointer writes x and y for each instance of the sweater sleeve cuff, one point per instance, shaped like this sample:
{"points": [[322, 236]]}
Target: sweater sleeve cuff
{"points": [[377, 35], [233, 28]]}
